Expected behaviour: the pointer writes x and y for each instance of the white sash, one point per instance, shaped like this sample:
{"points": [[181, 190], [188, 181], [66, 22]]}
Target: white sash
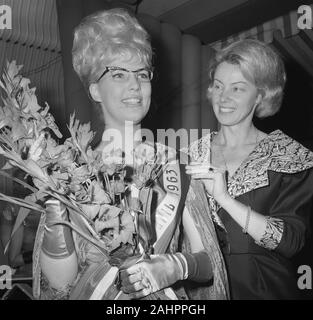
{"points": [[166, 211]]}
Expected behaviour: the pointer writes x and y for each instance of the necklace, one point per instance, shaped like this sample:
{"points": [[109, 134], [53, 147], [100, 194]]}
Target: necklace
{"points": [[224, 159]]}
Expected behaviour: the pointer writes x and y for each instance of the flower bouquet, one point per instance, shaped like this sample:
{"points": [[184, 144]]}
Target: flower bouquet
{"points": [[108, 208]]}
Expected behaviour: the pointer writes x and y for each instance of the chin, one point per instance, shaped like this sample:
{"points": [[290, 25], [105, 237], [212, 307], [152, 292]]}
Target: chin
{"points": [[227, 121], [136, 119], [135, 116]]}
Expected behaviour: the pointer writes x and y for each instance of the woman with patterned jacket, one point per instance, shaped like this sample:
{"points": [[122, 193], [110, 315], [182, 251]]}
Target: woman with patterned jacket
{"points": [[259, 185]]}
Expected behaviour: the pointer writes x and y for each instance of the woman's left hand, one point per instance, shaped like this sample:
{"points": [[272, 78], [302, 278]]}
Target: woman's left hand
{"points": [[213, 178], [150, 275]]}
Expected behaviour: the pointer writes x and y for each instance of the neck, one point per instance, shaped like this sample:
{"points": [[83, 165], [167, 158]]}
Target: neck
{"points": [[237, 136], [122, 136]]}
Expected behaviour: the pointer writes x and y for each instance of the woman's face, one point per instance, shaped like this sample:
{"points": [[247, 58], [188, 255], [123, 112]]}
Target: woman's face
{"points": [[124, 96], [234, 98]]}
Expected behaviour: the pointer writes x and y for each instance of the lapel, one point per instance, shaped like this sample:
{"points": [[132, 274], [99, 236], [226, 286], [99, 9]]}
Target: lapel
{"points": [[277, 152]]}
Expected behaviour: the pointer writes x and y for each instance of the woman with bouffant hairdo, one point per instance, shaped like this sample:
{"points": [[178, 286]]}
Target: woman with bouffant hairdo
{"points": [[100, 38], [112, 55], [259, 185]]}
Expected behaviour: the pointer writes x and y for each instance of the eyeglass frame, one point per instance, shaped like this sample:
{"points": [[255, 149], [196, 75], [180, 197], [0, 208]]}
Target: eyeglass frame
{"points": [[114, 68]]}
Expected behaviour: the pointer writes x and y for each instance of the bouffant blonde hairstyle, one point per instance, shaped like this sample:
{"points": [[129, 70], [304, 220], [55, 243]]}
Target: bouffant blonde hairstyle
{"points": [[259, 64], [104, 36]]}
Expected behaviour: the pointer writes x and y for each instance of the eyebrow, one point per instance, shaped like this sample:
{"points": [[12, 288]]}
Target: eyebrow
{"points": [[236, 82], [114, 68]]}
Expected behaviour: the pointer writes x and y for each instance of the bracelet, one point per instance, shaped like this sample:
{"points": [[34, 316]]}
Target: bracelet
{"points": [[245, 229], [183, 265]]}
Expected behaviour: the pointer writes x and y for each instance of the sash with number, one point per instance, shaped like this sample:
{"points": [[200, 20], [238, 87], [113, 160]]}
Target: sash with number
{"points": [[96, 282]]}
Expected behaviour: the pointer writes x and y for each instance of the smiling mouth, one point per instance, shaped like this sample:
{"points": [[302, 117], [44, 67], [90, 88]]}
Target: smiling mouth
{"points": [[133, 101], [226, 110]]}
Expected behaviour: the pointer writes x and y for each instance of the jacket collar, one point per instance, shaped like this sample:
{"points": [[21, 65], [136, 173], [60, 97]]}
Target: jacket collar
{"points": [[277, 152]]}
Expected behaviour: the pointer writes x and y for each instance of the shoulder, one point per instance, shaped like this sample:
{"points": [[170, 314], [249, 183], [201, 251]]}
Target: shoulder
{"points": [[286, 155]]}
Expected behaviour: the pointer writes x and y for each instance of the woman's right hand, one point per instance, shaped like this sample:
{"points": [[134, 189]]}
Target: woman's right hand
{"points": [[213, 179]]}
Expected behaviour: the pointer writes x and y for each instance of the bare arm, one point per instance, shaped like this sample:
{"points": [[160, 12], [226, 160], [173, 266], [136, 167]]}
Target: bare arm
{"points": [[251, 221]]}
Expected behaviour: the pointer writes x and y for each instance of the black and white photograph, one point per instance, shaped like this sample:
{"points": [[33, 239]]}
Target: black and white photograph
{"points": [[156, 154]]}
